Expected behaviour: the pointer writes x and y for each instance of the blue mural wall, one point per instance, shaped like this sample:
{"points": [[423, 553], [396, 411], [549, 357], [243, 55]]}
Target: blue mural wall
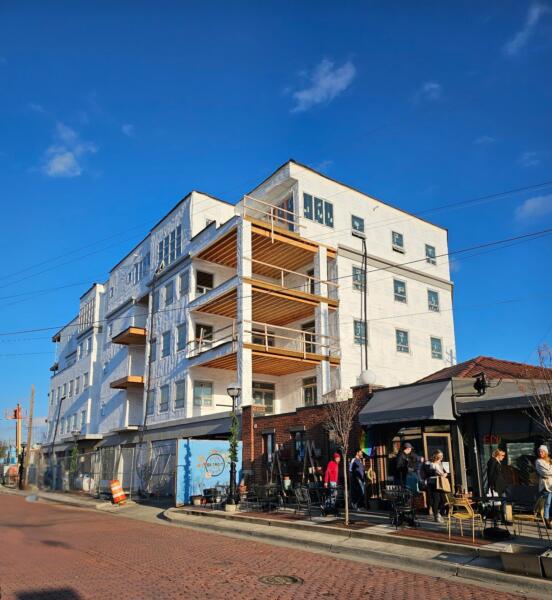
{"points": [[203, 464]]}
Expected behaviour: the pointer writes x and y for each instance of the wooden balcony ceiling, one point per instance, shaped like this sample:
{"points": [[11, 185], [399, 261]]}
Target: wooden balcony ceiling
{"points": [[130, 381], [271, 363], [270, 305], [281, 249], [130, 336]]}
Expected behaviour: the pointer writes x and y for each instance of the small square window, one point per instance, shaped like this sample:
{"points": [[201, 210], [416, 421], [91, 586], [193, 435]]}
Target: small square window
{"points": [[399, 288], [431, 255], [433, 301], [357, 223], [402, 341], [359, 332], [397, 241], [436, 348]]}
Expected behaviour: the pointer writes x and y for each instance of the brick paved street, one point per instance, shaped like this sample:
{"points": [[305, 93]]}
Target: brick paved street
{"points": [[82, 554]]}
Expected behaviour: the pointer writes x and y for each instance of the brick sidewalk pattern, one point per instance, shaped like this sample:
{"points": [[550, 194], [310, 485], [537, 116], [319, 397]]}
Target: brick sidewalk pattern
{"points": [[52, 552]]}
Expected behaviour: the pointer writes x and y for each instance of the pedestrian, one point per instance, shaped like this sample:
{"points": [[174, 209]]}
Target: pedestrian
{"points": [[358, 483], [406, 463], [434, 472], [495, 477], [543, 467], [331, 478]]}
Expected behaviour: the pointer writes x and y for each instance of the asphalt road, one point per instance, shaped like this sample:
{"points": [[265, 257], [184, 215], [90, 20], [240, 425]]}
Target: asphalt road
{"points": [[55, 552]]}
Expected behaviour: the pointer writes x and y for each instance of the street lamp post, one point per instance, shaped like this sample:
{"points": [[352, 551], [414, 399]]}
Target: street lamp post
{"points": [[233, 391]]}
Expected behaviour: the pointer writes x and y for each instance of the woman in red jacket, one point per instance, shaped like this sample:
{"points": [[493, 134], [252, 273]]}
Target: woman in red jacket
{"points": [[331, 478]]}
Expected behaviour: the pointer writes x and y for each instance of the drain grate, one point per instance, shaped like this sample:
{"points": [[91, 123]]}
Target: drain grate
{"points": [[280, 580]]}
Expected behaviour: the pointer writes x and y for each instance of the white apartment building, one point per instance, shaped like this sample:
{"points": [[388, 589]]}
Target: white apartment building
{"points": [[267, 293]]}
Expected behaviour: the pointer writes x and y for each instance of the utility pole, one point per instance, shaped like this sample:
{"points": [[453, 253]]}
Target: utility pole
{"points": [[29, 437]]}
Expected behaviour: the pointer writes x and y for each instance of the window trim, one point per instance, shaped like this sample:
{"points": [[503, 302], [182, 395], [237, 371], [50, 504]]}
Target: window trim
{"points": [[360, 341], [353, 228], [176, 384], [327, 207], [434, 337], [433, 307], [396, 296], [166, 348], [397, 247], [432, 260], [408, 350], [356, 283], [162, 411]]}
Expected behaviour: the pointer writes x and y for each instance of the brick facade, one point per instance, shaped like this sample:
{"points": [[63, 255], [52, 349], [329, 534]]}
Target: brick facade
{"points": [[286, 428]]}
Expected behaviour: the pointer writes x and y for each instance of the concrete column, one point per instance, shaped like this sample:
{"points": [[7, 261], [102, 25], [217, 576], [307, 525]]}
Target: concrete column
{"points": [[244, 316], [188, 377], [322, 322]]}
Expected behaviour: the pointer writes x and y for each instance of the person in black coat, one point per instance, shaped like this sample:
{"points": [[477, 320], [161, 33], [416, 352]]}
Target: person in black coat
{"points": [[406, 463], [495, 477]]}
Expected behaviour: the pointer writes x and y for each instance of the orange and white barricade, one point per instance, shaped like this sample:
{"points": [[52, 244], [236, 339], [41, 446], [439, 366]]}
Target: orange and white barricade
{"points": [[117, 492]]}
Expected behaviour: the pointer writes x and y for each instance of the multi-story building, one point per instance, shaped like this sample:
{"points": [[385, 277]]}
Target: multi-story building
{"points": [[268, 293]]}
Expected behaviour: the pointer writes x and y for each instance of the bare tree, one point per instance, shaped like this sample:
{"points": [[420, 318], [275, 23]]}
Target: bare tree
{"points": [[340, 418], [541, 391]]}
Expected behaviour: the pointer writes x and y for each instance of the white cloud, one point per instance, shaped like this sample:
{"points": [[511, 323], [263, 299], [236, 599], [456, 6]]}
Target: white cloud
{"points": [[36, 107], [127, 129], [529, 159], [514, 46], [484, 140], [534, 208], [430, 90], [61, 158], [326, 83]]}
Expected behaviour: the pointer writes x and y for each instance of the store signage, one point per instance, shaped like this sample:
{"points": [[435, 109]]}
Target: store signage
{"points": [[214, 465]]}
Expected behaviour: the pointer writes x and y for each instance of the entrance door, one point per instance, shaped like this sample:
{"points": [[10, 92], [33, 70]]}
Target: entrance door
{"points": [[440, 441]]}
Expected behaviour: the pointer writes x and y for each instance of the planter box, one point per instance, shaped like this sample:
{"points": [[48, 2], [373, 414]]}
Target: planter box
{"points": [[522, 560]]}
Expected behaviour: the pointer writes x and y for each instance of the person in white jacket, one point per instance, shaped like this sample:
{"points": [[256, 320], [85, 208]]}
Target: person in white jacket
{"points": [[543, 466]]}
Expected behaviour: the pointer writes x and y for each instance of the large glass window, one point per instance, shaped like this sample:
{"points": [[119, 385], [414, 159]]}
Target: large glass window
{"points": [[203, 393], [180, 398], [309, 391], [319, 210], [433, 300], [170, 247], [358, 278], [399, 289], [169, 293], [263, 395], [403, 344], [359, 331], [436, 347], [181, 337], [164, 399]]}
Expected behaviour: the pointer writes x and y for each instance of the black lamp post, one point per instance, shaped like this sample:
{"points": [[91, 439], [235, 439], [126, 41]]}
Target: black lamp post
{"points": [[234, 391]]}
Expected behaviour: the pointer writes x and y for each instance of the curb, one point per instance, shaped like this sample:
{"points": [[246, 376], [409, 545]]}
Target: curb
{"points": [[518, 583]]}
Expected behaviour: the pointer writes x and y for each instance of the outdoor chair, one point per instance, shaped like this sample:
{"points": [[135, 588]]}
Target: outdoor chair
{"points": [[303, 500], [536, 517], [462, 511]]}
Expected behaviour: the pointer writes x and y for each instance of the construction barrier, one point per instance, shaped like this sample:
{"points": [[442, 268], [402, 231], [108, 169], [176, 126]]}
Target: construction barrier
{"points": [[117, 492]]}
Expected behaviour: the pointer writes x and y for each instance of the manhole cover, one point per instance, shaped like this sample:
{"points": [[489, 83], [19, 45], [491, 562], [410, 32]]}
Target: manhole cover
{"points": [[280, 580]]}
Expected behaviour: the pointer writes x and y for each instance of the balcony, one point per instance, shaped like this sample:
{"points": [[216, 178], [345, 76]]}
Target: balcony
{"points": [[131, 336], [128, 382]]}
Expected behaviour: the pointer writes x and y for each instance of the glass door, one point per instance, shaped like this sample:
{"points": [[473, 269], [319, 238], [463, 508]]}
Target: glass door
{"points": [[440, 441]]}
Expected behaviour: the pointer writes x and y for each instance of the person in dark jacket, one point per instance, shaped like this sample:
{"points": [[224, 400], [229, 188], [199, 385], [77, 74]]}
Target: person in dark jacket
{"points": [[406, 463], [358, 484], [495, 477]]}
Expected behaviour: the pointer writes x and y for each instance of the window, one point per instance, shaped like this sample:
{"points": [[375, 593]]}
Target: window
{"points": [[309, 336], [129, 277], [62, 425], [307, 206], [263, 395], [89, 346], [358, 278], [170, 247], [150, 403], [77, 386], [259, 337], [399, 288], [166, 344], [110, 331], [320, 210], [359, 332], [433, 300], [203, 393], [268, 446], [64, 390], [299, 445], [181, 337], [311, 283], [169, 293], [431, 255], [164, 399], [180, 399], [397, 241], [204, 336], [357, 223], [204, 282], [74, 422], [309, 391], [184, 280], [111, 292], [79, 351], [153, 350], [155, 307], [84, 381], [83, 419], [71, 383], [436, 348], [402, 340]]}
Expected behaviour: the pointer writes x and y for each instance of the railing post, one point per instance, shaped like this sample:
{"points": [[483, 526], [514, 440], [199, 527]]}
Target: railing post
{"points": [[303, 339], [266, 337], [282, 277]]}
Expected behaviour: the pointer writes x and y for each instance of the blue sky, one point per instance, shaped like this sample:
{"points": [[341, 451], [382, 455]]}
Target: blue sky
{"points": [[111, 112]]}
